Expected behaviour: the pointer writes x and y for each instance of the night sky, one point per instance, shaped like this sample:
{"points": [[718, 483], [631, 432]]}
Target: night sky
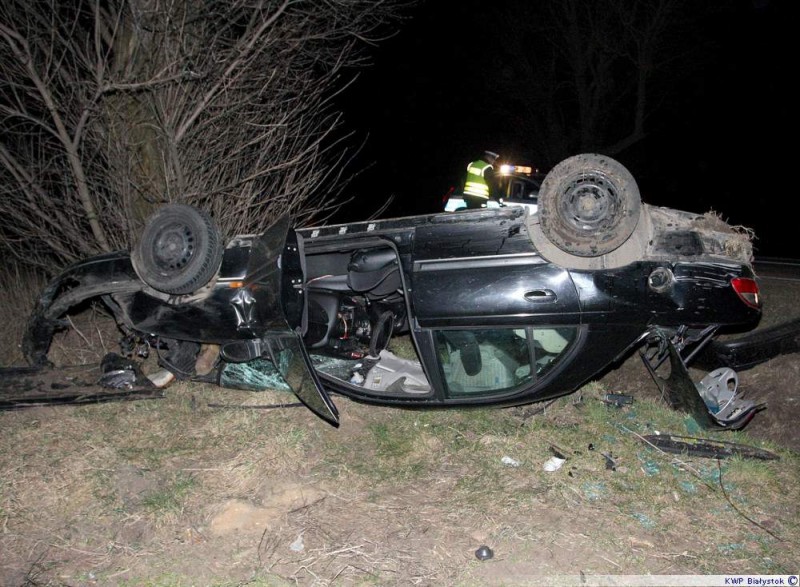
{"points": [[451, 84]]}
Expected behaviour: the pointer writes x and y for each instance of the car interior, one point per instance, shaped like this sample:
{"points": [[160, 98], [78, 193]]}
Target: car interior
{"points": [[358, 333], [357, 314]]}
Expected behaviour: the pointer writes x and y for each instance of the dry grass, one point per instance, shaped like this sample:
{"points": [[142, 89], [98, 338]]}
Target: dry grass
{"points": [[19, 290], [171, 492]]}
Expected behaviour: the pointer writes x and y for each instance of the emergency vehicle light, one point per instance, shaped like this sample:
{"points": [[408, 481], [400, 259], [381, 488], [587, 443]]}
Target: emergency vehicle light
{"points": [[508, 169]]}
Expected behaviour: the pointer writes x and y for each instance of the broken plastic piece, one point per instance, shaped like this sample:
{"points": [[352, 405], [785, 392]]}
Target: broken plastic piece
{"points": [[553, 464], [701, 447], [161, 378], [611, 464], [122, 373], [683, 394], [118, 379], [718, 390], [617, 399], [395, 375]]}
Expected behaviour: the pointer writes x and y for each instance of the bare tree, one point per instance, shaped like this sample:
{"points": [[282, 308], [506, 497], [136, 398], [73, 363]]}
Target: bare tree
{"points": [[580, 76], [110, 107]]}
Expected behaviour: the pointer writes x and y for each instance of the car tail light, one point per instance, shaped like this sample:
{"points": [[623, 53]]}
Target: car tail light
{"points": [[747, 290]]}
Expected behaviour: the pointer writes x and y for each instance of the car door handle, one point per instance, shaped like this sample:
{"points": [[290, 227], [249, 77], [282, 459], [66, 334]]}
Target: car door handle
{"points": [[541, 296]]}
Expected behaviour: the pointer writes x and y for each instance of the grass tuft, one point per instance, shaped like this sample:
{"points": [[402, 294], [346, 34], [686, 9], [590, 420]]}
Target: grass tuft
{"points": [[19, 290]]}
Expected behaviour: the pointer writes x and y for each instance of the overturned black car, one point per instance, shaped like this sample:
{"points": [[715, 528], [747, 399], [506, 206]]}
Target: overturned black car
{"points": [[498, 307]]}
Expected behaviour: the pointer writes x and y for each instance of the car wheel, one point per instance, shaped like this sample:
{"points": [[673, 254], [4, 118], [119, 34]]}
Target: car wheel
{"points": [[180, 250], [589, 205]]}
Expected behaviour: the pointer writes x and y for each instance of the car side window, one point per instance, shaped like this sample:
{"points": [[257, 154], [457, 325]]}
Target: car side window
{"points": [[548, 345], [486, 362]]}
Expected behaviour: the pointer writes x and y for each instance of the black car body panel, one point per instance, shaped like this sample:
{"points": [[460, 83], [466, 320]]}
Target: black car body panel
{"points": [[491, 319], [751, 349]]}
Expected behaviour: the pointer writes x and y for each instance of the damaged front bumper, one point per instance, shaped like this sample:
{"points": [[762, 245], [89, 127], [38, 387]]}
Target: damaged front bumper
{"points": [[712, 402]]}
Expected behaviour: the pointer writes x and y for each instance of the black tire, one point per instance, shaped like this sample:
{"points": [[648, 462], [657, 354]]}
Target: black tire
{"points": [[180, 250], [589, 205]]}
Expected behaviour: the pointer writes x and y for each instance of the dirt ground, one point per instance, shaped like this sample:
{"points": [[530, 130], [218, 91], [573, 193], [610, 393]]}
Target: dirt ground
{"points": [[170, 493], [777, 383]]}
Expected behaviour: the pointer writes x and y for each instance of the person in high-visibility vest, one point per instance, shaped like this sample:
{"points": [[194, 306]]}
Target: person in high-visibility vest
{"points": [[479, 186]]}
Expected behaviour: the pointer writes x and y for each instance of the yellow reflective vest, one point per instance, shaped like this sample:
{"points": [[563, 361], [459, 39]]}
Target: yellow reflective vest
{"points": [[476, 184]]}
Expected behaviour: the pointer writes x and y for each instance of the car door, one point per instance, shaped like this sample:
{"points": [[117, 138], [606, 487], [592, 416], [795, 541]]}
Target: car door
{"points": [[498, 318], [481, 269], [276, 299], [292, 361], [498, 327]]}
